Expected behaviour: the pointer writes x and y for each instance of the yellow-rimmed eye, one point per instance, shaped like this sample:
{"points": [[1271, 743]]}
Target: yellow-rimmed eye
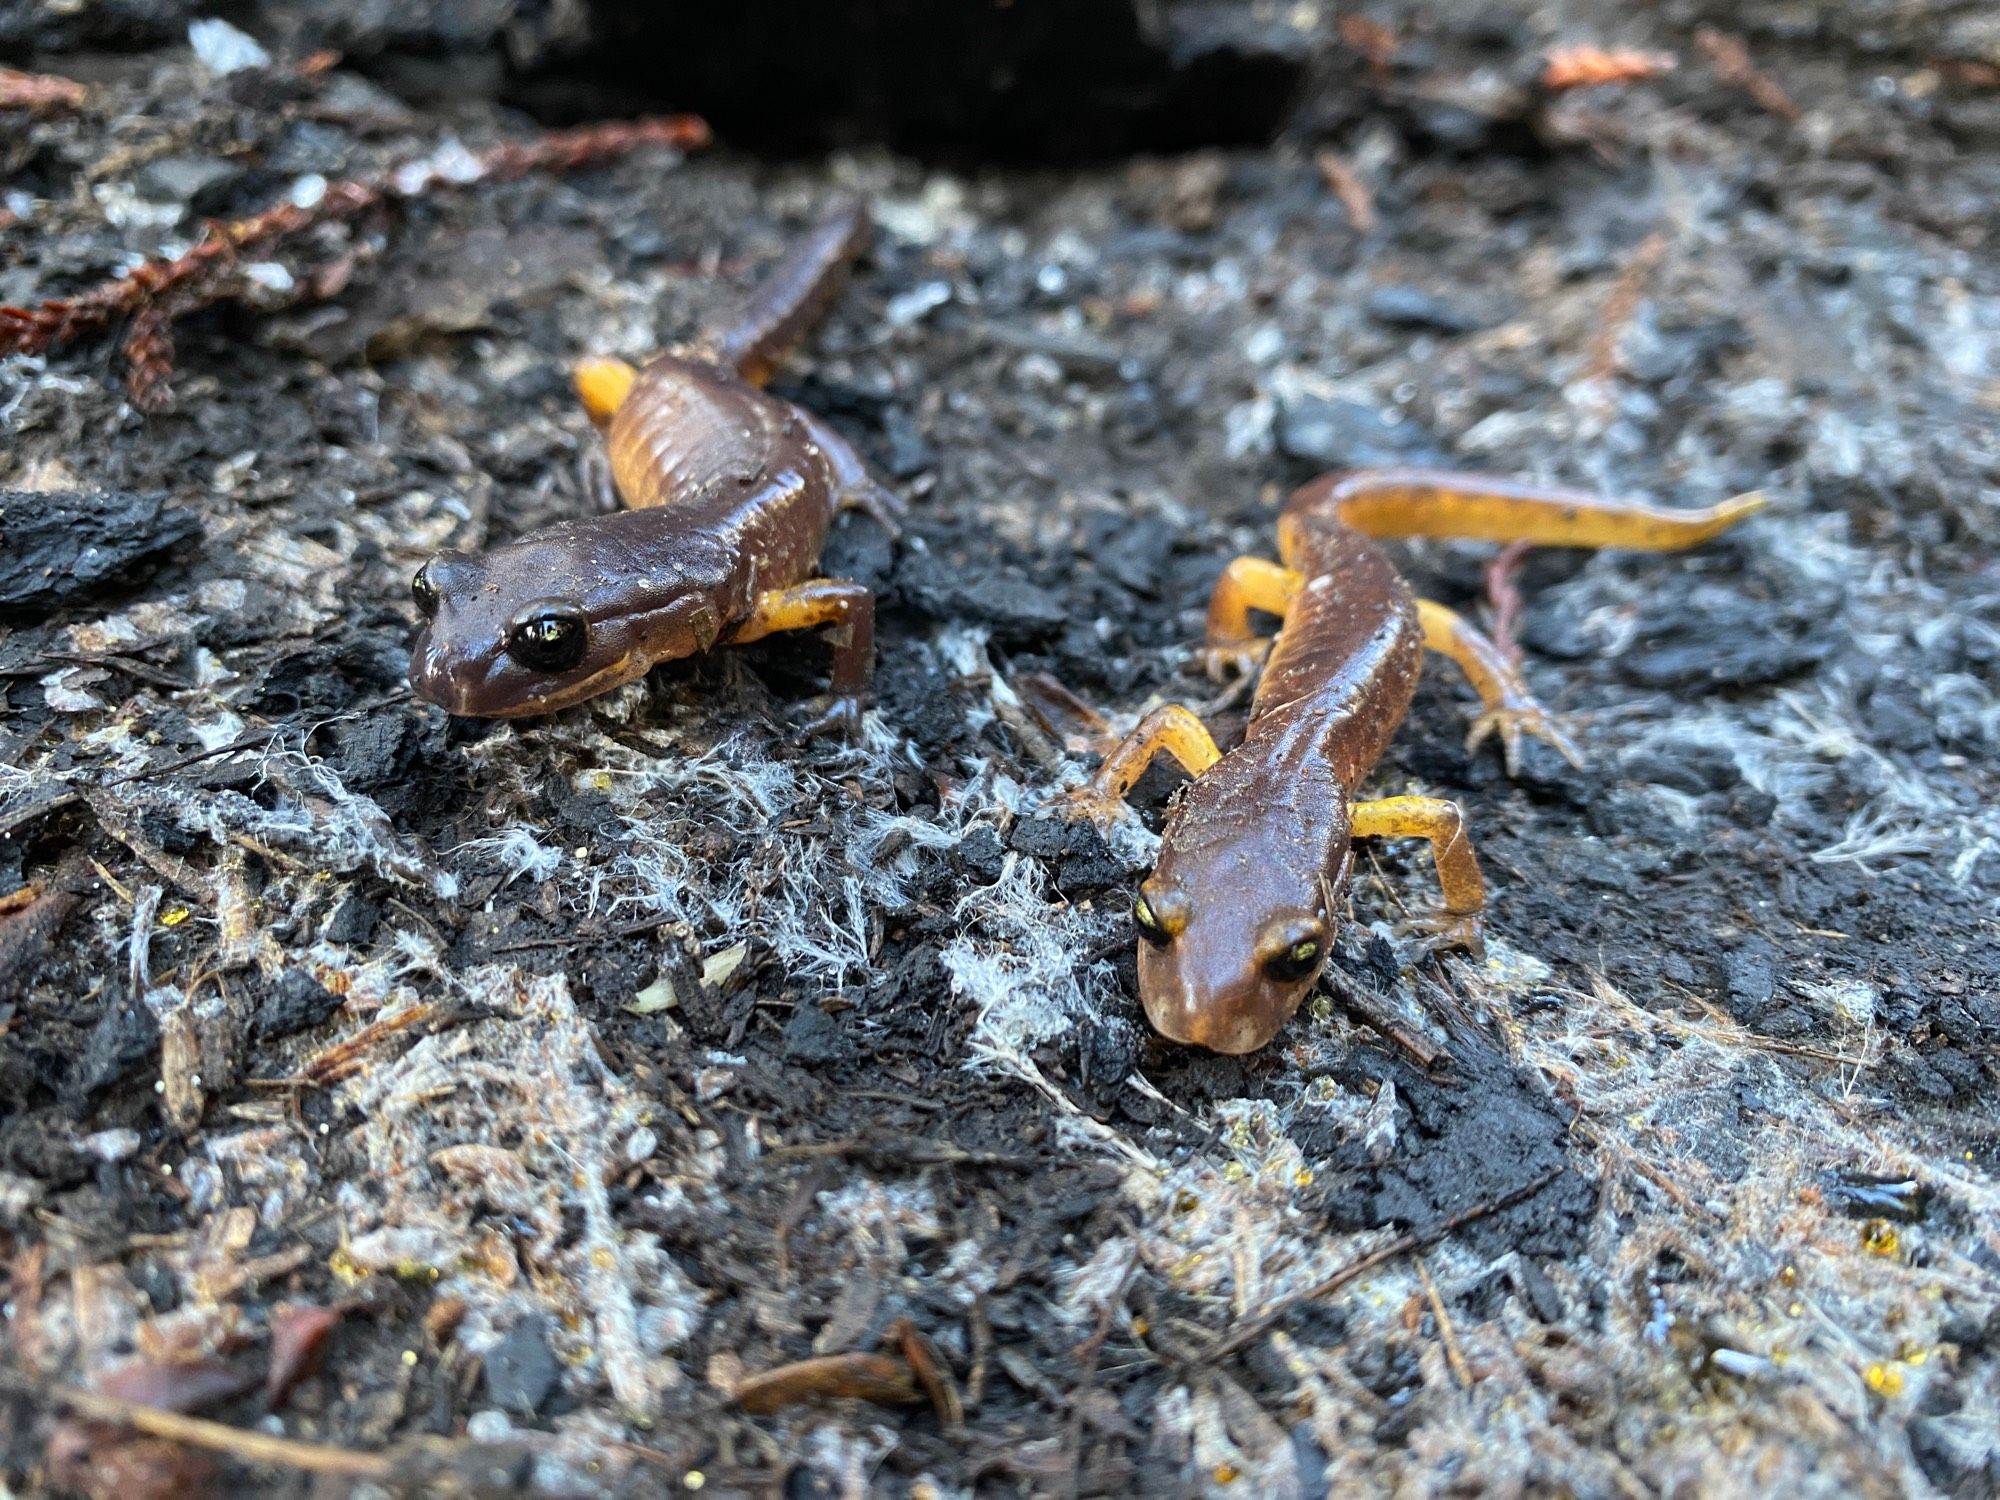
{"points": [[1148, 921], [424, 590], [1295, 962]]}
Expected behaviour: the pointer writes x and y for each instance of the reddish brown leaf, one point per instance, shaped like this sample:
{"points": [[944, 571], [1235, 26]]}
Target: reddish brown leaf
{"points": [[182, 1386], [298, 1341], [932, 1373]]}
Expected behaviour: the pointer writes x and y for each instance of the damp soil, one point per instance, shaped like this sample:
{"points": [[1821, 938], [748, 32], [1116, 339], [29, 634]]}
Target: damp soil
{"points": [[588, 1067]]}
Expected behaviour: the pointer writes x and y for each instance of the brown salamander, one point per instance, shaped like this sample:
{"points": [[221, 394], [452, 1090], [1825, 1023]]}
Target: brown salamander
{"points": [[728, 492], [1237, 918]]}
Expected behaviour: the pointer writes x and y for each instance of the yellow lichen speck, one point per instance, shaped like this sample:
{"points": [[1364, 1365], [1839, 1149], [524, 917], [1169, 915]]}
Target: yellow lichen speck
{"points": [[1879, 1237], [1884, 1380]]}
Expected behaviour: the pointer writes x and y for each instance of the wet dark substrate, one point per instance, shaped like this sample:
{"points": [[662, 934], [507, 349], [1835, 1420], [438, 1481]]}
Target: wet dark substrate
{"points": [[1743, 963]]}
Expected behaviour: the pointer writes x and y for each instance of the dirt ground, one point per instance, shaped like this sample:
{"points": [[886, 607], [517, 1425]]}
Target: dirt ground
{"points": [[478, 1106]]}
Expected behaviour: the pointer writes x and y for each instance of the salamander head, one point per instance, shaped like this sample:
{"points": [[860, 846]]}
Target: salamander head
{"points": [[1234, 922], [536, 625]]}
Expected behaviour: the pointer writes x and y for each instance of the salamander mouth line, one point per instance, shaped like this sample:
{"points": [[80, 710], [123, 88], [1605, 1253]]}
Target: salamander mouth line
{"points": [[600, 681]]}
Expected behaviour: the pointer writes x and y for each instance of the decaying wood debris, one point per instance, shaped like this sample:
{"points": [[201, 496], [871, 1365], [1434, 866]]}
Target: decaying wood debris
{"points": [[642, 1099]]}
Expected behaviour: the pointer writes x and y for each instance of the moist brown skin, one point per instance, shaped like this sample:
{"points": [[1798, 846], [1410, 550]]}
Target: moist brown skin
{"points": [[729, 493], [1339, 679], [1238, 916]]}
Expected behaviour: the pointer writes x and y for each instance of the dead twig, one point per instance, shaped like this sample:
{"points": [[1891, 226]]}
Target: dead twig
{"points": [[1454, 1356], [1731, 61], [1345, 183], [1245, 1334], [156, 292], [933, 1375], [1380, 1019], [342, 1059], [1087, 1354], [199, 1432], [1622, 304], [39, 93], [882, 1378], [1503, 593], [1587, 67]]}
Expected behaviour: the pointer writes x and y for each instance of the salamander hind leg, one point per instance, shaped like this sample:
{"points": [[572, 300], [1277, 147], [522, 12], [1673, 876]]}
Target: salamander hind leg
{"points": [[1441, 822], [1171, 729], [1247, 583], [849, 610], [1511, 708]]}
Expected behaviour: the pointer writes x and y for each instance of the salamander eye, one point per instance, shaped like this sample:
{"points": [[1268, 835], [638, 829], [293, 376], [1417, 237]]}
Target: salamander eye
{"points": [[424, 590], [1295, 962], [549, 640], [1148, 922]]}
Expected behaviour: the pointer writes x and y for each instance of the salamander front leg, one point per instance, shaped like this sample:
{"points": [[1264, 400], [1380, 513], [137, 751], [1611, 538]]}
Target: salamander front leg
{"points": [[603, 384], [1458, 869], [854, 487], [1511, 707], [1247, 583], [1172, 729], [849, 609]]}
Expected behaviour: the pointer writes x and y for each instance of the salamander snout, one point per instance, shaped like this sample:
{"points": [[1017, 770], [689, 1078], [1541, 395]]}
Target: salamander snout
{"points": [[490, 648], [1217, 975], [438, 676]]}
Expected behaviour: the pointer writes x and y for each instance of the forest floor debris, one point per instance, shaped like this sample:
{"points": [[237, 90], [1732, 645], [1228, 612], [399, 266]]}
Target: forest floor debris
{"points": [[509, 1100]]}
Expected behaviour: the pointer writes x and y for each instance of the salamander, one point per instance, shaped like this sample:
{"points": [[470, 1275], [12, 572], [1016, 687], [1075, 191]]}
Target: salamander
{"points": [[1238, 916], [728, 495]]}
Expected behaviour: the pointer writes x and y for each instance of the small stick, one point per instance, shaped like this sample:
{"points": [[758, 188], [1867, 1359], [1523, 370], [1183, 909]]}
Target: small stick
{"points": [[198, 1432], [1454, 1356], [1503, 592], [343, 1058], [1246, 1334], [1731, 60], [159, 290], [1587, 67], [1622, 304], [39, 93], [1378, 1017], [1346, 185]]}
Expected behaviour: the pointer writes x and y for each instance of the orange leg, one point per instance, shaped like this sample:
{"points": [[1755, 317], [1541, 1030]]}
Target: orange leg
{"points": [[1247, 583], [1510, 705], [1458, 868], [1479, 507], [603, 385], [1172, 729], [850, 610]]}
